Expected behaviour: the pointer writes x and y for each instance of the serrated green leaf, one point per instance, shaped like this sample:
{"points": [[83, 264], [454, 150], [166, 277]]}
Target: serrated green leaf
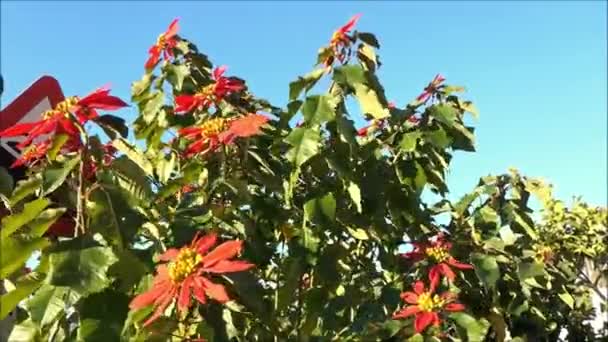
{"points": [[319, 109], [438, 138], [102, 316], [567, 298], [530, 269], [49, 302], [6, 182], [358, 233], [176, 73], [139, 88], [165, 166], [82, 270], [444, 113], [476, 329], [305, 144], [292, 269], [26, 331], [470, 107], [371, 100], [54, 175], [507, 235], [409, 141], [486, 269], [305, 83], [30, 211]]}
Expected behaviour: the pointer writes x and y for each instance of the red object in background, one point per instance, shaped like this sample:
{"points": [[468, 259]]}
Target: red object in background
{"points": [[45, 93]]}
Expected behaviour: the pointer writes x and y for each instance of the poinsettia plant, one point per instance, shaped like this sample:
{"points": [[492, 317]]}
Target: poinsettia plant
{"points": [[227, 222]]}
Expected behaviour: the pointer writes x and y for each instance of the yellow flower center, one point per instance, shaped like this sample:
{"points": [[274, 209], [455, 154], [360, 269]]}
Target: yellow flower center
{"points": [[207, 92], [213, 127], [62, 107], [429, 302], [184, 265], [438, 254], [161, 41]]}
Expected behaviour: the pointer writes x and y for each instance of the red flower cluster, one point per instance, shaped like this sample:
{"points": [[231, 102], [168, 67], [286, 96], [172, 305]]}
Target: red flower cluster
{"points": [[340, 42], [431, 88], [62, 119], [187, 274], [164, 46], [210, 94], [437, 251], [426, 304], [212, 133]]}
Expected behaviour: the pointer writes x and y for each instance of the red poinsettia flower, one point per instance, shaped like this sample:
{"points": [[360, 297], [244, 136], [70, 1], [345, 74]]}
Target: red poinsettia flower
{"points": [[164, 45], [438, 252], [187, 274], [210, 94], [37, 151], [65, 226], [431, 88], [220, 131], [59, 120], [426, 306], [340, 41]]}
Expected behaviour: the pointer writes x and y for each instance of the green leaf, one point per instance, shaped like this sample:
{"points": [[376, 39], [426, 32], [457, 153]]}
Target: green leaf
{"points": [[6, 182], [325, 206], [530, 270], [24, 286], [355, 195], [31, 210], [292, 269], [165, 167], [54, 175], [83, 270], [470, 107], [305, 144], [565, 297], [134, 154], [305, 83], [176, 75], [138, 88], [476, 330], [368, 38], [507, 235], [370, 98], [486, 269], [57, 143], [15, 252], [409, 141], [25, 188], [318, 109], [102, 316], [438, 138], [367, 55], [113, 124], [128, 270], [444, 113], [26, 331], [49, 302], [103, 217], [358, 233], [150, 108], [44, 221]]}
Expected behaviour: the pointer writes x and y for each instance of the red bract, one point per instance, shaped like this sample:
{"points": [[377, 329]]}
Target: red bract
{"points": [[91, 167], [164, 45], [186, 275], [220, 131], [60, 120], [340, 41], [426, 306], [63, 227], [438, 252], [37, 151], [376, 124], [210, 94], [431, 88]]}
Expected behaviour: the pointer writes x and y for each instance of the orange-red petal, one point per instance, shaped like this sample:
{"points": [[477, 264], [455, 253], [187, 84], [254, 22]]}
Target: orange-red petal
{"points": [[227, 266], [247, 126], [169, 254], [226, 250], [172, 29], [423, 320], [150, 296], [418, 287], [406, 312], [215, 291], [454, 307], [203, 244]]}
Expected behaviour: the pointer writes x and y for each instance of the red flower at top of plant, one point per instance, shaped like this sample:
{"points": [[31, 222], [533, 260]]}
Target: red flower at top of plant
{"points": [[164, 45], [186, 275], [426, 306], [60, 120], [431, 88], [36, 151], [210, 94], [340, 42], [214, 132], [438, 252]]}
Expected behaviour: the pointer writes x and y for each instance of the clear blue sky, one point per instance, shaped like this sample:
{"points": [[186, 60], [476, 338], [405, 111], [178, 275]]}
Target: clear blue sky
{"points": [[537, 71]]}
